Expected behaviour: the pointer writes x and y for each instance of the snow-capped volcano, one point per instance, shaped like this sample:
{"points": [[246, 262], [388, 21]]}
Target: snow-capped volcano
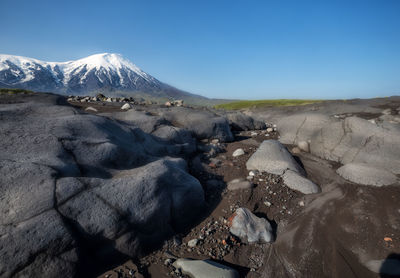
{"points": [[106, 72]]}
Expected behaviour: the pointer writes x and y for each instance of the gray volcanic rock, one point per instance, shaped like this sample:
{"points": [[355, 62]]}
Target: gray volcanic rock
{"points": [[144, 120], [239, 184], [295, 181], [251, 228], [365, 174], [27, 190], [204, 124], [356, 140], [205, 269], [274, 158], [300, 127], [76, 183], [159, 127], [41, 246], [240, 121]]}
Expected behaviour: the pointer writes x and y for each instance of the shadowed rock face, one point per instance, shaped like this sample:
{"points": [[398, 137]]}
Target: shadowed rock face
{"points": [[239, 121], [74, 184]]}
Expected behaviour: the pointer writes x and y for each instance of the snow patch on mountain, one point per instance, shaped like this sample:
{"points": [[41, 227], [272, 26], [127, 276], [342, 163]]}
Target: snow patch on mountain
{"points": [[108, 70]]}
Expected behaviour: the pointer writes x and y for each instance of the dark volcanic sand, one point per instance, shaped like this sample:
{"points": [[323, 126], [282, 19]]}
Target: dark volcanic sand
{"points": [[343, 218], [333, 234]]}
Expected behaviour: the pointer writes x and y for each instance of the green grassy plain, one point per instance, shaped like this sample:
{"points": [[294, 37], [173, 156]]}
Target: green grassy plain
{"points": [[243, 104]]}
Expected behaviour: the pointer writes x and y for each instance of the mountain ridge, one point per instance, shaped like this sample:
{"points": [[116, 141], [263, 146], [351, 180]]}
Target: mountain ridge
{"points": [[104, 72]]}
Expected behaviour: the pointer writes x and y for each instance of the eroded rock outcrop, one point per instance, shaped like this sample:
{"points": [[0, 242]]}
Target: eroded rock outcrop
{"points": [[84, 185]]}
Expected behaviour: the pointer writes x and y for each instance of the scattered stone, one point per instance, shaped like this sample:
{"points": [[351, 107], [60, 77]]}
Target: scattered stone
{"points": [[90, 108], [295, 181], [192, 243], [270, 129], [247, 226], [238, 152], [178, 102], [239, 184], [268, 204], [253, 133], [301, 203], [126, 106], [303, 145], [205, 269]]}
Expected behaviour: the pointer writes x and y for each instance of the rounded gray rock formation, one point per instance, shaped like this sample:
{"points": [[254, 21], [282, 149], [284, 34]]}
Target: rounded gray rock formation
{"points": [[274, 158], [295, 181], [365, 174]]}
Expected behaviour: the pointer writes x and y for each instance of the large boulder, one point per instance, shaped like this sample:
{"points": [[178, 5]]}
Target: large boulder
{"points": [[76, 185], [274, 158]]}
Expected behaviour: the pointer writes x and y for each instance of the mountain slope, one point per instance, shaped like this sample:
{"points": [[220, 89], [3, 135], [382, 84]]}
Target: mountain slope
{"points": [[108, 73]]}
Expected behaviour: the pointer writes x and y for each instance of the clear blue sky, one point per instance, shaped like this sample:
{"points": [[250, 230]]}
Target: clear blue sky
{"points": [[223, 49]]}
